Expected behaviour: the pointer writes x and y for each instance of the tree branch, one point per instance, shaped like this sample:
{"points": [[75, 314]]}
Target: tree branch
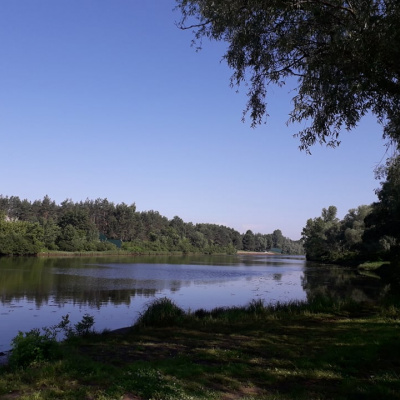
{"points": [[184, 28], [298, 3]]}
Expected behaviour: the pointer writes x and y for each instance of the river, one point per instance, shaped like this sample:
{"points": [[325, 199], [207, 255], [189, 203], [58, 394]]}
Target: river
{"points": [[37, 292]]}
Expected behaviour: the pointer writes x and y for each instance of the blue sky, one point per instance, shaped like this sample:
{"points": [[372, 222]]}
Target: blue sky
{"points": [[107, 99]]}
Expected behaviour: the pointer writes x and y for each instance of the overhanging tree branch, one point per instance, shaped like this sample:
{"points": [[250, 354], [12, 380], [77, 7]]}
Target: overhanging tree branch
{"points": [[345, 54]]}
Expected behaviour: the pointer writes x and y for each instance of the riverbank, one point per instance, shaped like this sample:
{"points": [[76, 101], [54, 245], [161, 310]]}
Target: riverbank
{"points": [[150, 253], [258, 253], [55, 254], [321, 350], [120, 253]]}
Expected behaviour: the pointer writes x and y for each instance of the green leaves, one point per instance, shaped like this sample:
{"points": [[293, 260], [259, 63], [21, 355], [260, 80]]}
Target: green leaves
{"points": [[344, 55], [35, 346], [20, 238], [384, 221], [32, 347]]}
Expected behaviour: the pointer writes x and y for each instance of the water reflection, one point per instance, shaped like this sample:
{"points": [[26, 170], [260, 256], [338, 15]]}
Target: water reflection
{"points": [[341, 283], [37, 292]]}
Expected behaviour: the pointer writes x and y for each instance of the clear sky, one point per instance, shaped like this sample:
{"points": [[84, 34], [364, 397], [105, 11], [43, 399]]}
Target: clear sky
{"points": [[107, 99]]}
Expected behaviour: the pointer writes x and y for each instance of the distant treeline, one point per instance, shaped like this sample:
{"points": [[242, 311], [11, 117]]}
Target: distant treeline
{"points": [[98, 225]]}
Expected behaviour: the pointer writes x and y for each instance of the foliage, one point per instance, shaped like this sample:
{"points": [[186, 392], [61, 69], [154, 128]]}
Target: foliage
{"points": [[320, 235], [249, 241], [36, 346], [33, 347], [105, 246], [78, 227], [161, 312], [384, 221], [363, 234], [256, 309], [353, 226], [82, 328], [343, 54], [20, 237]]}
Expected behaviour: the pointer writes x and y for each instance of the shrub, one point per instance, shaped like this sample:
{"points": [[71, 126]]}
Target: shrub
{"points": [[161, 312], [33, 347], [105, 246], [82, 328]]}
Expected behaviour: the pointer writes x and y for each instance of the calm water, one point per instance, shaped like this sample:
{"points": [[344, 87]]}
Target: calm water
{"points": [[38, 292]]}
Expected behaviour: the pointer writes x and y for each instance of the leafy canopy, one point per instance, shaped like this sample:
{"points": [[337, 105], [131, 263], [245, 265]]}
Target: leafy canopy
{"points": [[344, 55]]}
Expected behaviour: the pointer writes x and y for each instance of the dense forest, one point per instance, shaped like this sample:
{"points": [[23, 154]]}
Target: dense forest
{"points": [[367, 233], [100, 225]]}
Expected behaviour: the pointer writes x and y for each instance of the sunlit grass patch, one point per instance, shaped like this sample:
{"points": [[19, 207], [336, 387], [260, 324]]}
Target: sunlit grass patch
{"points": [[323, 374], [148, 382]]}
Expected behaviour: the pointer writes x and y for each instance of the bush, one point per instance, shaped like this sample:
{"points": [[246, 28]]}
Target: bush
{"points": [[161, 312], [105, 246], [32, 347], [82, 328]]}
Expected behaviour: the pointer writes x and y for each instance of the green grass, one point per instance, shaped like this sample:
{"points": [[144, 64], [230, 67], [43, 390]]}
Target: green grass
{"points": [[320, 350]]}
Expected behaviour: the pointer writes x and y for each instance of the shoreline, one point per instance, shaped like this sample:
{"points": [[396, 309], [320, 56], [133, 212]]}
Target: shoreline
{"points": [[257, 253]]}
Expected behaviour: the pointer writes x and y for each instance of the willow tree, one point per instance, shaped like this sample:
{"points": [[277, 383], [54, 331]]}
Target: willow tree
{"points": [[344, 56]]}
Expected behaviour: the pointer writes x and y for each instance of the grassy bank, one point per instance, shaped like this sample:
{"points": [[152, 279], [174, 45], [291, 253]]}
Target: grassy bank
{"points": [[321, 350]]}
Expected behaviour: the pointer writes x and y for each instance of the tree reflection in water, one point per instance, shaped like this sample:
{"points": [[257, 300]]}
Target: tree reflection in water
{"points": [[36, 292], [340, 283]]}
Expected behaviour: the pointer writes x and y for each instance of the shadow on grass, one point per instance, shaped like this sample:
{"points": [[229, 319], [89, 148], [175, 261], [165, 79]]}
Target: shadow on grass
{"points": [[325, 351]]}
